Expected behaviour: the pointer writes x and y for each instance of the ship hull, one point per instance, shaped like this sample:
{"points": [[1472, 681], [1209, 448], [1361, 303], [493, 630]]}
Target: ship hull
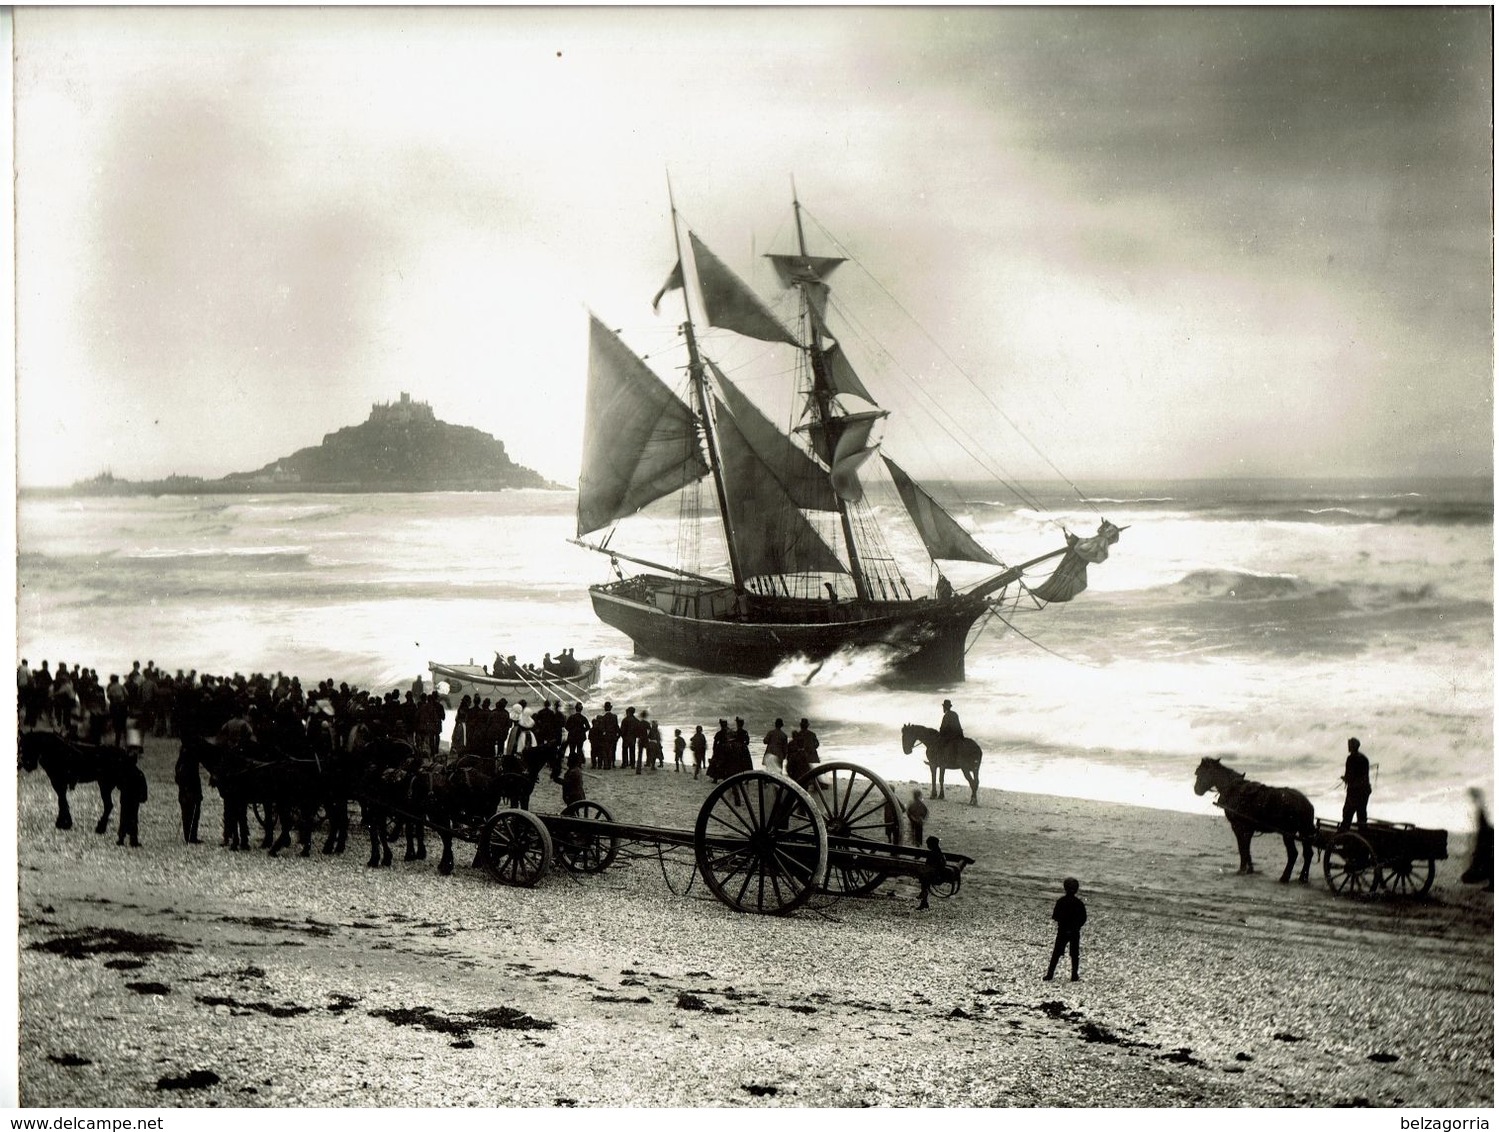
{"points": [[927, 638]]}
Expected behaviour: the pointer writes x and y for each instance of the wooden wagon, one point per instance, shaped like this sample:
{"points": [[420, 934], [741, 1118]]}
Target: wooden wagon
{"points": [[1394, 857], [762, 843]]}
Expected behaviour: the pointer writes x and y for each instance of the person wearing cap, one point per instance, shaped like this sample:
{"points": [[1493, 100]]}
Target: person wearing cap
{"points": [[950, 728], [699, 745]]}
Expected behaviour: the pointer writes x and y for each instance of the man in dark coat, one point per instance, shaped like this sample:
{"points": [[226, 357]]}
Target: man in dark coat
{"points": [[699, 745], [610, 733], [576, 726], [189, 794], [801, 752], [132, 795], [951, 727], [1356, 778], [630, 735]]}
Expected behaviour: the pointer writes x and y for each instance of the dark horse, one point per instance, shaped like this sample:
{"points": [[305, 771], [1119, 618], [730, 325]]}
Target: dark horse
{"points": [[288, 790], [466, 793], [943, 755], [1252, 807], [68, 763]]}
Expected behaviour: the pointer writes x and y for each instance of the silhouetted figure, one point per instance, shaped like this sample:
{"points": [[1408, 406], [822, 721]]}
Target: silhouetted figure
{"points": [[1071, 914], [189, 794], [572, 785], [774, 759], [576, 727], [934, 870], [1356, 778], [1481, 867], [951, 728], [916, 814], [801, 752], [132, 795], [699, 745]]}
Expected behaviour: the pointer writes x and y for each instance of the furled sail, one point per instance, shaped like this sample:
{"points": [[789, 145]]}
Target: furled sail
{"points": [[852, 449], [940, 532], [801, 478], [795, 269], [729, 303], [640, 441], [770, 533], [1070, 578]]}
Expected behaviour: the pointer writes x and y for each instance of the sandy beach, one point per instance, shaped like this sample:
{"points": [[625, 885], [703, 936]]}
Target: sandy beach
{"points": [[189, 975]]}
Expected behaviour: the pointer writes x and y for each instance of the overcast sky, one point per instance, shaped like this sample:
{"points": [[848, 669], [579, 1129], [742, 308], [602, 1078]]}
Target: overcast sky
{"points": [[1169, 243]]}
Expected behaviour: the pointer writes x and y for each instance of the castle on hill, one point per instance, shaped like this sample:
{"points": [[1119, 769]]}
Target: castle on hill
{"points": [[403, 411]]}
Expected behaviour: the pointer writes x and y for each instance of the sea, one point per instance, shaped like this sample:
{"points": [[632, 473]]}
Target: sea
{"points": [[1263, 622]]}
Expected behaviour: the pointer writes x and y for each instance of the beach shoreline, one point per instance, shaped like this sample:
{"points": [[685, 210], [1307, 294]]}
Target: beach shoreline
{"points": [[292, 981]]}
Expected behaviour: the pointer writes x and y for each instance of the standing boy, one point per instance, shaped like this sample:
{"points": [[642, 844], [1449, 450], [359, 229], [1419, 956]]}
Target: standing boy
{"points": [[1070, 914]]}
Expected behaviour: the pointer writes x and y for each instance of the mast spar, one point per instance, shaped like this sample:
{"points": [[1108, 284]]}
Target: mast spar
{"points": [[699, 379], [822, 395]]}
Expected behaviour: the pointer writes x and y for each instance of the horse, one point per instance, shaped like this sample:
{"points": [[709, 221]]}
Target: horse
{"points": [[468, 792], [1252, 807], [289, 791], [943, 755], [68, 763]]}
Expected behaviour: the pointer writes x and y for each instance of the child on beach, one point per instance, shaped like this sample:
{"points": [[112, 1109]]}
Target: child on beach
{"points": [[679, 746], [1070, 915]]}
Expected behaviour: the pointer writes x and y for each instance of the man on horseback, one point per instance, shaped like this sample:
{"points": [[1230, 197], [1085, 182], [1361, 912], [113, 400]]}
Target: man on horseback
{"points": [[951, 729]]}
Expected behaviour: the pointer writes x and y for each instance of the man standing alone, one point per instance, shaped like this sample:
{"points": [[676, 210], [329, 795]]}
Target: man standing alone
{"points": [[1356, 778]]}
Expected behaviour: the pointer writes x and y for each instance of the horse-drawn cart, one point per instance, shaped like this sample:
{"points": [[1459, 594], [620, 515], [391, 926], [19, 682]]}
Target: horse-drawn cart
{"points": [[1394, 857], [762, 843]]}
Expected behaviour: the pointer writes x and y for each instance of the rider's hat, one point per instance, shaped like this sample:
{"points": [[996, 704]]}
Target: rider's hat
{"points": [[947, 703]]}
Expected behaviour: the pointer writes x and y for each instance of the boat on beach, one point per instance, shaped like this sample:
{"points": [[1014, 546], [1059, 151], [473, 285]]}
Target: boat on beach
{"points": [[476, 679], [810, 569]]}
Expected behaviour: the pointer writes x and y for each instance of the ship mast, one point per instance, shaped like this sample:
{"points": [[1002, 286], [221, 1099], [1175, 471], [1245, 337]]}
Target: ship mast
{"points": [[822, 396], [699, 377]]}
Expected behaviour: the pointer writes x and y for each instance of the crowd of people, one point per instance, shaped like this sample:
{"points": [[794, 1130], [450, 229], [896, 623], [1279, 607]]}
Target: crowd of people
{"points": [[279, 712]]}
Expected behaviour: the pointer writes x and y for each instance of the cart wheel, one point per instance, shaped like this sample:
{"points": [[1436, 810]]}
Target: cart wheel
{"points": [[1409, 878], [515, 847], [761, 843], [586, 850], [856, 803], [1350, 866]]}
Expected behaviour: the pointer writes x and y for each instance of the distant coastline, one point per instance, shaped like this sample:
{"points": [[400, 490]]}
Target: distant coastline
{"points": [[401, 448]]}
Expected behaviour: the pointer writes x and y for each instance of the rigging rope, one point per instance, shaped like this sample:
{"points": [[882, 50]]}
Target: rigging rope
{"points": [[951, 360]]}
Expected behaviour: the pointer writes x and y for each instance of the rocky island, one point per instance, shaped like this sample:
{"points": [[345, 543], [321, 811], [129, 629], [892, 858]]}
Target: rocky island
{"points": [[401, 446]]}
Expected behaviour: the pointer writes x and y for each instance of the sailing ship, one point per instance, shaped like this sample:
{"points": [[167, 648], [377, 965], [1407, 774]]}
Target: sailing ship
{"points": [[810, 572]]}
